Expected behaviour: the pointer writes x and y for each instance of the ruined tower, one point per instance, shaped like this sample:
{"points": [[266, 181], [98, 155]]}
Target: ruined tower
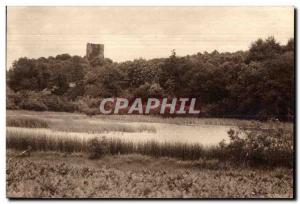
{"points": [[94, 51]]}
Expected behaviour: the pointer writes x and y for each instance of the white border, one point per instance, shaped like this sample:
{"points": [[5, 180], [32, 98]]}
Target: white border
{"points": [[4, 3], [152, 2]]}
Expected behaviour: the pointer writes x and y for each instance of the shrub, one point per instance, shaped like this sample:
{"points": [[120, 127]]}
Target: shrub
{"points": [[10, 104], [12, 99], [58, 103], [33, 104], [97, 148], [88, 105], [270, 145]]}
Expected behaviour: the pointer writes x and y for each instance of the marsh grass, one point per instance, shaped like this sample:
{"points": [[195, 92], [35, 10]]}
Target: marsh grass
{"points": [[45, 140], [146, 118], [255, 147], [26, 122], [177, 120], [75, 125], [194, 121], [86, 126]]}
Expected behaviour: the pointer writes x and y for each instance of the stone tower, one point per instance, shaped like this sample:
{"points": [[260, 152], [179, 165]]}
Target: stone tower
{"points": [[94, 51]]}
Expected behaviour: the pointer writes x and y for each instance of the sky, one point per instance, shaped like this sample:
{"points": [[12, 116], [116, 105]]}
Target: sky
{"points": [[141, 32]]}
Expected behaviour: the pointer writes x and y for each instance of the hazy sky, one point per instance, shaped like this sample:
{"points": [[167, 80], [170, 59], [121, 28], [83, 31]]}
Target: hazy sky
{"points": [[133, 32]]}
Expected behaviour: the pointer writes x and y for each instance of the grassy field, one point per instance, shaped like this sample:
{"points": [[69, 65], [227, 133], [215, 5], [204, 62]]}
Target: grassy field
{"points": [[73, 155], [56, 175]]}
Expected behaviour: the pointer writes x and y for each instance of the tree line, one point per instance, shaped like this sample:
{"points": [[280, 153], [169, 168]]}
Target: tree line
{"points": [[257, 83]]}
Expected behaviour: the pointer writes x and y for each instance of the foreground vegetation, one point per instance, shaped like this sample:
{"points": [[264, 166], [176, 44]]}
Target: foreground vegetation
{"points": [[53, 175]]}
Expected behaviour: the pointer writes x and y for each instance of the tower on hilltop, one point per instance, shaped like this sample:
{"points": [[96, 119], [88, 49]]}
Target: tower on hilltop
{"points": [[94, 51]]}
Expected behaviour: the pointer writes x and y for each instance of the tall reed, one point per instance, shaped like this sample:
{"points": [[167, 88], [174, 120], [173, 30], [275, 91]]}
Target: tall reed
{"points": [[40, 140], [26, 122]]}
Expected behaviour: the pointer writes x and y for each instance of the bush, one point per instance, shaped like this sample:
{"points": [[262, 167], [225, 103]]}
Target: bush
{"points": [[97, 148], [12, 99], [271, 145], [58, 103], [38, 101], [10, 104], [88, 105], [33, 104]]}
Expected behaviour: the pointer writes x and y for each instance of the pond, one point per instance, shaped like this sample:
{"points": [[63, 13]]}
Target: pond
{"points": [[190, 134], [77, 125]]}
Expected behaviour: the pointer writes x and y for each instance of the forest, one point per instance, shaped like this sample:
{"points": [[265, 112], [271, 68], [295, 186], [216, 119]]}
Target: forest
{"points": [[253, 84]]}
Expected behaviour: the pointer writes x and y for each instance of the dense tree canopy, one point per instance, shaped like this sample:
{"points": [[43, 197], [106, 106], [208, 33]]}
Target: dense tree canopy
{"points": [[258, 83]]}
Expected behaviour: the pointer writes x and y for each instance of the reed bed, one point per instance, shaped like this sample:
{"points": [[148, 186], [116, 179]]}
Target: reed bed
{"points": [[47, 140], [76, 125], [94, 126], [145, 118], [28, 122], [177, 120], [192, 120]]}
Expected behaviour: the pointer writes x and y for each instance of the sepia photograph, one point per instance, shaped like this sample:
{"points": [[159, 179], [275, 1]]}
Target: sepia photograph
{"points": [[150, 102]]}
